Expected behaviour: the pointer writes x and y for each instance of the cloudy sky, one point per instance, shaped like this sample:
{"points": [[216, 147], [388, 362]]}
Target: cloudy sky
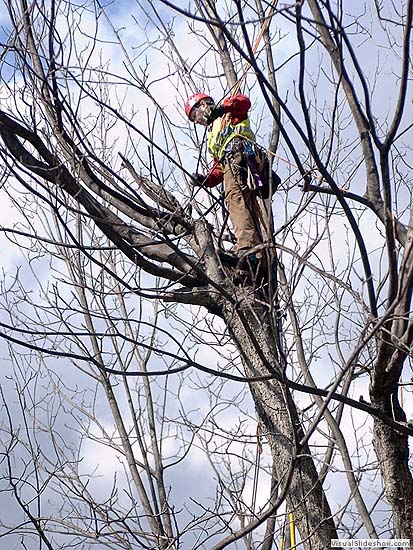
{"points": [[149, 69]]}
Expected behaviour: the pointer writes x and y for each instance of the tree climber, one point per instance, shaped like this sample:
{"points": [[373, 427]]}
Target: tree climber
{"points": [[238, 162]]}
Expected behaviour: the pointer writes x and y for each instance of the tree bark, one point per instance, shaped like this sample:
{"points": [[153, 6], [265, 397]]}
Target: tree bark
{"points": [[392, 450], [275, 407]]}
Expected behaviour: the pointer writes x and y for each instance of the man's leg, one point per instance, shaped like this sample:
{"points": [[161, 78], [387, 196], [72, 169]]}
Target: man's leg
{"points": [[241, 203]]}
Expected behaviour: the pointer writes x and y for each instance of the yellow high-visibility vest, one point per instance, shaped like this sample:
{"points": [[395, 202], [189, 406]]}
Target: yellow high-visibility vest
{"points": [[220, 135]]}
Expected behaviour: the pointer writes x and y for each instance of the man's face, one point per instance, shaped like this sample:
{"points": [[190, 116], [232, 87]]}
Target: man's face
{"points": [[202, 111]]}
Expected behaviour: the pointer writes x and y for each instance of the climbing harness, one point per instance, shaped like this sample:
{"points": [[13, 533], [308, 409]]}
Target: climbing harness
{"points": [[221, 137]]}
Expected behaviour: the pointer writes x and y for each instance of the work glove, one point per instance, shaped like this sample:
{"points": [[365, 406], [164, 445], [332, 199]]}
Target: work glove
{"points": [[217, 112], [198, 179]]}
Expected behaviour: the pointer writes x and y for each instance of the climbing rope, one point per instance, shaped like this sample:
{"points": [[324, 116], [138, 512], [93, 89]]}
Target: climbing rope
{"points": [[267, 19], [236, 89]]}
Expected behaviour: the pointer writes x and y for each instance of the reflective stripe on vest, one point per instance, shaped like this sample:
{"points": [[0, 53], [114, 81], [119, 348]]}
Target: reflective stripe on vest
{"points": [[220, 136]]}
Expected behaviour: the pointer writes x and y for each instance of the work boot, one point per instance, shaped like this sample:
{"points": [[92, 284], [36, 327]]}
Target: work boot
{"points": [[247, 264], [228, 257], [246, 269], [234, 256], [246, 258]]}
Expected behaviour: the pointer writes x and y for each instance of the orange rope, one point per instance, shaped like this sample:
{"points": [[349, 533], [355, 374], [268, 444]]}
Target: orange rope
{"points": [[282, 159], [225, 119], [257, 43], [267, 19], [244, 74]]}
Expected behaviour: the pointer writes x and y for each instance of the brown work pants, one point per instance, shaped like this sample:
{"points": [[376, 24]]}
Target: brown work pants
{"points": [[241, 203]]}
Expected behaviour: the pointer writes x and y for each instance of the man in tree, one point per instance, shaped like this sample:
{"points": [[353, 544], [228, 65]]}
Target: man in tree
{"points": [[231, 143]]}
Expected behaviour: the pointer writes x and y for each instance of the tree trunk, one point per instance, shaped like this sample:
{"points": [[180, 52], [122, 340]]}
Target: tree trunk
{"points": [[253, 333], [392, 451], [277, 411]]}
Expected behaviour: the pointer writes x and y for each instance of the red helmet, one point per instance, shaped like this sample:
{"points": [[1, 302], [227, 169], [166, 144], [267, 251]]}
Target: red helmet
{"points": [[193, 100]]}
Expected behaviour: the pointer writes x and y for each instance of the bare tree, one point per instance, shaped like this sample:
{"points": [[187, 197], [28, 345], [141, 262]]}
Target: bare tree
{"points": [[142, 307]]}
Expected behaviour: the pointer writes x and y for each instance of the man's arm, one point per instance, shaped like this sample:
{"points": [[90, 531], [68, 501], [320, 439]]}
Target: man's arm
{"points": [[237, 107], [215, 175]]}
